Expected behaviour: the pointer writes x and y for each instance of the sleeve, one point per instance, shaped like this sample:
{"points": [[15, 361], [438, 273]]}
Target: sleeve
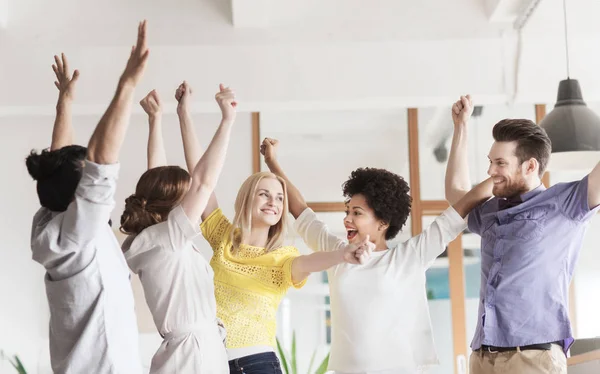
{"points": [[315, 233], [94, 201], [433, 240], [287, 271], [474, 220], [181, 229], [215, 228], [574, 201]]}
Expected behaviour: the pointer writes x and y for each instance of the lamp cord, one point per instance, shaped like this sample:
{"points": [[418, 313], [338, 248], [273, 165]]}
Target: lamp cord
{"points": [[566, 38]]}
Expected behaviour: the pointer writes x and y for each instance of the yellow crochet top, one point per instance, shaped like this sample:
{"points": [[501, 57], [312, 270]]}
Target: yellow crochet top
{"points": [[249, 284]]}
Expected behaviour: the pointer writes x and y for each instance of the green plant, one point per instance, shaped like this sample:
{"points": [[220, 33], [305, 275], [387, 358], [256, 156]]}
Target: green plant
{"points": [[292, 368], [15, 362]]}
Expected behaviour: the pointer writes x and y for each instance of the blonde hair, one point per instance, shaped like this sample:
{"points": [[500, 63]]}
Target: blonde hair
{"points": [[242, 223]]}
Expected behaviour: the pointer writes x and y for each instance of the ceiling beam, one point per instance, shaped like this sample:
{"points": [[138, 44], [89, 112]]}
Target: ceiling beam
{"points": [[510, 11], [250, 13], [3, 14]]}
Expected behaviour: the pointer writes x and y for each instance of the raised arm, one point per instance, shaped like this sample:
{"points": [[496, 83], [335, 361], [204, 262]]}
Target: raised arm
{"points": [[191, 146], [157, 156], [206, 172], [107, 139], [297, 203], [304, 265], [474, 197], [594, 187], [62, 134], [94, 197], [458, 181], [434, 239]]}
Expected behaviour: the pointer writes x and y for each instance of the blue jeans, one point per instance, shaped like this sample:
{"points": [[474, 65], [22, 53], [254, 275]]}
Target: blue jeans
{"points": [[261, 363]]}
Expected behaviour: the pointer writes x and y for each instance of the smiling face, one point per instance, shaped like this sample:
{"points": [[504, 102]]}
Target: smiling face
{"points": [[267, 203], [361, 221], [508, 173]]}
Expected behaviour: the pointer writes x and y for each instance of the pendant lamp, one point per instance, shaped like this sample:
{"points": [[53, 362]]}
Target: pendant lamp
{"points": [[573, 128]]}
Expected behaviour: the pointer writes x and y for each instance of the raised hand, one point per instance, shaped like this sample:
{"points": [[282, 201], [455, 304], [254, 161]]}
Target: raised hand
{"points": [[183, 96], [152, 104], [462, 110], [365, 248], [137, 60], [106, 141], [360, 252], [268, 149], [65, 82], [226, 100]]}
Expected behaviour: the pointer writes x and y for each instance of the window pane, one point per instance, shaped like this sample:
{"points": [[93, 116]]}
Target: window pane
{"points": [[319, 150]]}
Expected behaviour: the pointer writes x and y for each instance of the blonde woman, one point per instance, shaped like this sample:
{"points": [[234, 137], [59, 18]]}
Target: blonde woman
{"points": [[162, 220], [254, 269]]}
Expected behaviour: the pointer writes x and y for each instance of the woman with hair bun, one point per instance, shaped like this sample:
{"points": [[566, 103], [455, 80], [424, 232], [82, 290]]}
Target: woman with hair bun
{"points": [[162, 219]]}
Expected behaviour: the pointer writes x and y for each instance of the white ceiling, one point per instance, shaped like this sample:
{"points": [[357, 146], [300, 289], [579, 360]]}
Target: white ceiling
{"points": [[209, 22], [285, 54]]}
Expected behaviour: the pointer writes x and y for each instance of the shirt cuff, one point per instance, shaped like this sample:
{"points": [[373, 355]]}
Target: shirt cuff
{"points": [[101, 171], [456, 223]]}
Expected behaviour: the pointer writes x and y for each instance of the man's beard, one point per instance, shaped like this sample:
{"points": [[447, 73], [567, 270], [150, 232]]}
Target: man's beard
{"points": [[516, 188]]}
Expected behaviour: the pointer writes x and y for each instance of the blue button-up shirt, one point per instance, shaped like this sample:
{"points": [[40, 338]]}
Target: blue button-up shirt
{"points": [[528, 253]]}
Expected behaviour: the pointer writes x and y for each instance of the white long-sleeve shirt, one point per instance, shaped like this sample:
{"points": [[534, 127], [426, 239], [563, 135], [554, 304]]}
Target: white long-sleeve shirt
{"points": [[379, 313], [93, 327]]}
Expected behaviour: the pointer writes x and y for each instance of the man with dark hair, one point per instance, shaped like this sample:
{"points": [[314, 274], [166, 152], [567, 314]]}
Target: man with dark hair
{"points": [[58, 170], [531, 238], [93, 327]]}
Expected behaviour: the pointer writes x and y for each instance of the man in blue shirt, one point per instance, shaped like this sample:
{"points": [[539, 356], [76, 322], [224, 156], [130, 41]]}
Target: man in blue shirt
{"points": [[530, 241]]}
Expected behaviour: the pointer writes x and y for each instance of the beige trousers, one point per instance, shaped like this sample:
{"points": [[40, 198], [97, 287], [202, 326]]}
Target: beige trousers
{"points": [[553, 361]]}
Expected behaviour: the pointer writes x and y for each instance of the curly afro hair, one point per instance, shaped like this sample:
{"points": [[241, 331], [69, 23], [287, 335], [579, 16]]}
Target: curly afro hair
{"points": [[385, 192]]}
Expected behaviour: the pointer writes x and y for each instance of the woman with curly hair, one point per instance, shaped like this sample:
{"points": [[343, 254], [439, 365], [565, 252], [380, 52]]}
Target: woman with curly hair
{"points": [[379, 311]]}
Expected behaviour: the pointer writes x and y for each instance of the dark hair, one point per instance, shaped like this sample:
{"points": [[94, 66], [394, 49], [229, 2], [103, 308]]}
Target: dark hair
{"points": [[57, 173], [532, 140], [385, 192], [158, 191]]}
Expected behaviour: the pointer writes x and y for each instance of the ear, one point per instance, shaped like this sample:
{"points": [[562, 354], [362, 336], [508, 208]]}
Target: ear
{"points": [[383, 226], [531, 166]]}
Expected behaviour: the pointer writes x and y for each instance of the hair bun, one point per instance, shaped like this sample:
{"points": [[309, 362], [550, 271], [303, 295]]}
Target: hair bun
{"points": [[33, 165], [135, 202]]}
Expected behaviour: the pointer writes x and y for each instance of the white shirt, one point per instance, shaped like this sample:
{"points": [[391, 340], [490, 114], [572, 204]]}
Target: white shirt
{"points": [[379, 312], [179, 290], [93, 327]]}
